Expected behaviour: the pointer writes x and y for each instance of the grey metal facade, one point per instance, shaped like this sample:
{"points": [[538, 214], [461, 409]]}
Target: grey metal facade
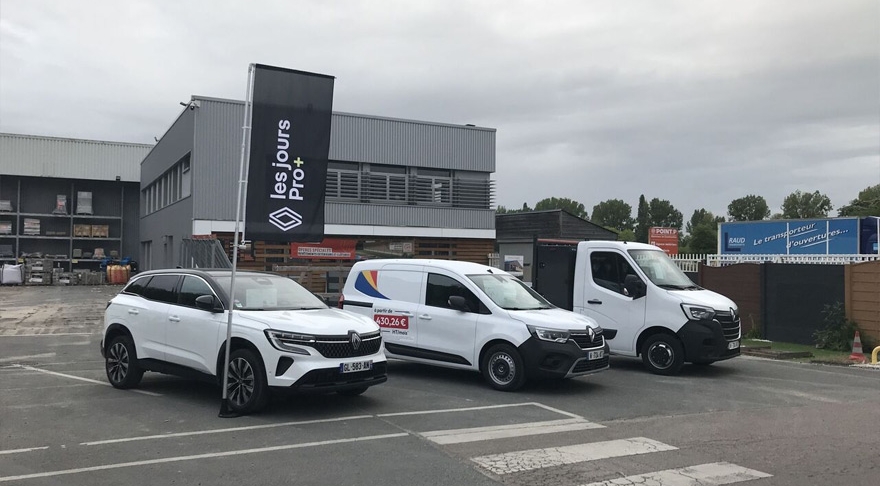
{"points": [[216, 149], [68, 158]]}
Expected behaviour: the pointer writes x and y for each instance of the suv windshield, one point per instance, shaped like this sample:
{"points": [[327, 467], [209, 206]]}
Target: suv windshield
{"points": [[661, 270], [509, 292], [269, 293]]}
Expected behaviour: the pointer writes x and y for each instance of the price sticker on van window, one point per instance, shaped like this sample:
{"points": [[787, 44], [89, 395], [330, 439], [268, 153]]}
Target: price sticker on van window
{"points": [[390, 321]]}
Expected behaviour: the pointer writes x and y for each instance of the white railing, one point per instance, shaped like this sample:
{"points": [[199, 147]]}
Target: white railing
{"points": [[691, 263]]}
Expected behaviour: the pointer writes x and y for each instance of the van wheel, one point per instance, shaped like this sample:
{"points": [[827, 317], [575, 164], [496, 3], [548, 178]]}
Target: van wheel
{"points": [[121, 364], [503, 368], [247, 390], [663, 354]]}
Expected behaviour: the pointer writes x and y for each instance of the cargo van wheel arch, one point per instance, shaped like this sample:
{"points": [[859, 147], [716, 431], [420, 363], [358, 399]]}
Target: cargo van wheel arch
{"points": [[489, 345], [640, 342]]}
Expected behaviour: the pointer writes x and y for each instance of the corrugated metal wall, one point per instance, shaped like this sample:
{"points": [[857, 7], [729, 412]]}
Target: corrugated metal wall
{"points": [[409, 216], [67, 158], [360, 138]]}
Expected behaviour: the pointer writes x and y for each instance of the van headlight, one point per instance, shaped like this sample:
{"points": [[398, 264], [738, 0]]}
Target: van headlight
{"points": [[698, 312], [290, 341], [552, 335]]}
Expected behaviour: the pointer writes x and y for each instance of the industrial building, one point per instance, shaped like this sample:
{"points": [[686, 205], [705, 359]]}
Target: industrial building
{"points": [[394, 188], [68, 203]]}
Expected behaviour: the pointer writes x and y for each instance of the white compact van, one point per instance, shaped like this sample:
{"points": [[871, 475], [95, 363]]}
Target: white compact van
{"points": [[471, 316]]}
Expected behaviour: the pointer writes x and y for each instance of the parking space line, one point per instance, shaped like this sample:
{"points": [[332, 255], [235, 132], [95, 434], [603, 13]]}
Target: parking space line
{"points": [[12, 359], [48, 335], [468, 409], [475, 434], [87, 380], [518, 461], [220, 431], [713, 474], [29, 449], [199, 456]]}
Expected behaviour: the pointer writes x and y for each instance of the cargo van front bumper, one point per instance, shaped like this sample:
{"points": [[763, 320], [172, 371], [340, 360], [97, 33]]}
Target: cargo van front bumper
{"points": [[705, 342], [545, 359]]}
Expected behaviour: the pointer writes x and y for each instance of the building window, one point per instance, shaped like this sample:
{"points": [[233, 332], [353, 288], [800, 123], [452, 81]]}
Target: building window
{"points": [[386, 183]]}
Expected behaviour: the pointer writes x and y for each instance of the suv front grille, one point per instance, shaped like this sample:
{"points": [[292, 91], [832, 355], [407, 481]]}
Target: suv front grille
{"points": [[730, 325], [582, 339], [341, 346]]}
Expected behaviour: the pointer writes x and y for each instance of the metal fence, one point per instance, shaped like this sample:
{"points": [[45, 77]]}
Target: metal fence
{"points": [[691, 263]]}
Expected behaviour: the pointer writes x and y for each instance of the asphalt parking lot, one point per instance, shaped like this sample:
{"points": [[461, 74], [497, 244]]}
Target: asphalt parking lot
{"points": [[742, 420]]}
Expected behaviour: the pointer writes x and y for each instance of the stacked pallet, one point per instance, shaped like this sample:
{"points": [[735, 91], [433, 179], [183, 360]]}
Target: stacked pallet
{"points": [[476, 251], [38, 271]]}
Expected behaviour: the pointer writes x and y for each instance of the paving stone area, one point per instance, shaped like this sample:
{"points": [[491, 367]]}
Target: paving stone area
{"points": [[26, 310]]}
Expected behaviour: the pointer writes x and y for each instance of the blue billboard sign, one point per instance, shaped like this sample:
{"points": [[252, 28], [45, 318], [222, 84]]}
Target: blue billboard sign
{"points": [[839, 236]]}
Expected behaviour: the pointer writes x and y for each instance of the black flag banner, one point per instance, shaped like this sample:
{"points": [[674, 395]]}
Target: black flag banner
{"points": [[290, 144]]}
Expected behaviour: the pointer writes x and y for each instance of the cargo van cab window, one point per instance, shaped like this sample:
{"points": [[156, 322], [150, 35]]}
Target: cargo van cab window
{"points": [[610, 270], [441, 287]]}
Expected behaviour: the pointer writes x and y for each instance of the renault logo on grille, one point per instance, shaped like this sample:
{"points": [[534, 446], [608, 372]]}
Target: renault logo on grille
{"points": [[733, 314], [355, 339], [591, 333]]}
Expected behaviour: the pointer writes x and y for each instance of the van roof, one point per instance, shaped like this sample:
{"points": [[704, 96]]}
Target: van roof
{"points": [[464, 268], [622, 245]]}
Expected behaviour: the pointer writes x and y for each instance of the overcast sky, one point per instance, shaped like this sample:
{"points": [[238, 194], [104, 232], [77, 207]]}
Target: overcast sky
{"points": [[698, 102]]}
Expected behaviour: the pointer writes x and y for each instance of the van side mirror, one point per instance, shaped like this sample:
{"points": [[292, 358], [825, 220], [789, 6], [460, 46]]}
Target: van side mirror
{"points": [[634, 286], [209, 303], [457, 302]]}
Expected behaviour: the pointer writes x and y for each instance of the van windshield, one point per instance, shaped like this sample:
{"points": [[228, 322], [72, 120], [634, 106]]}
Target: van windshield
{"points": [[509, 292], [661, 270]]}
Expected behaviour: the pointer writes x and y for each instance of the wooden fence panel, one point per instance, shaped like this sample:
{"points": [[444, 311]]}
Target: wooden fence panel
{"points": [[742, 284], [862, 281]]}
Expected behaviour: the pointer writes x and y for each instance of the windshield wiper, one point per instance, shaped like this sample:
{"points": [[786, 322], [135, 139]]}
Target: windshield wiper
{"points": [[673, 286], [525, 308]]}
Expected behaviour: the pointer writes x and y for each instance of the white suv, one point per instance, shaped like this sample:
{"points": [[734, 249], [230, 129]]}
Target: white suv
{"points": [[283, 336]]}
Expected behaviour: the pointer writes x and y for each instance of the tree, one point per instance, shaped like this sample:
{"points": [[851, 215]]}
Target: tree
{"points": [[626, 235], [565, 203], [702, 232], [613, 213], [504, 210], [748, 208], [662, 213], [642, 223], [867, 204], [806, 205]]}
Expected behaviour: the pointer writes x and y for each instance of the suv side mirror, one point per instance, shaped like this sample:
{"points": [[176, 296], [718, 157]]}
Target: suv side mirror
{"points": [[209, 303], [634, 286], [457, 302]]}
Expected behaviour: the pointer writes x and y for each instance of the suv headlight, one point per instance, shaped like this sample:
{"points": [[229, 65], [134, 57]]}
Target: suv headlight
{"points": [[551, 335], [289, 341], [698, 312]]}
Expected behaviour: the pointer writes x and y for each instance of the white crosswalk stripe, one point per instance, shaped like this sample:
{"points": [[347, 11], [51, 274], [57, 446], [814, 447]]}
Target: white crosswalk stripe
{"points": [[458, 436], [713, 474], [519, 461]]}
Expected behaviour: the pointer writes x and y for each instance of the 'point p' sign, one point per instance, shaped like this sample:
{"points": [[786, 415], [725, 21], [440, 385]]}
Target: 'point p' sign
{"points": [[290, 144]]}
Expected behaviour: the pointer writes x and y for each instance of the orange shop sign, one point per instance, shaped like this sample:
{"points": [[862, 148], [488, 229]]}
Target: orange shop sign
{"points": [[328, 249]]}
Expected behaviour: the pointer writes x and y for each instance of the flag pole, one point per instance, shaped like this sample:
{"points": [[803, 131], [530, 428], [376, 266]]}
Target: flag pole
{"points": [[225, 412]]}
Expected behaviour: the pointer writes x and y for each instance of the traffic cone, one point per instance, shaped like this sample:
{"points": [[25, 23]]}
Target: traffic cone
{"points": [[857, 354]]}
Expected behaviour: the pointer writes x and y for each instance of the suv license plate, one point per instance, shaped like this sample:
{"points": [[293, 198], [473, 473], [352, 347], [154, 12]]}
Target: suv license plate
{"points": [[355, 366], [733, 345], [596, 354]]}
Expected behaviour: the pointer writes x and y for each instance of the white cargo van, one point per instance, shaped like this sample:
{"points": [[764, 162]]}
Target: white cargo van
{"points": [[646, 305], [470, 316]]}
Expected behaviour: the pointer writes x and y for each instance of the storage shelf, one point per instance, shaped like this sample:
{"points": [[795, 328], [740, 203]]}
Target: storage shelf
{"points": [[95, 216], [69, 222], [41, 237]]}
